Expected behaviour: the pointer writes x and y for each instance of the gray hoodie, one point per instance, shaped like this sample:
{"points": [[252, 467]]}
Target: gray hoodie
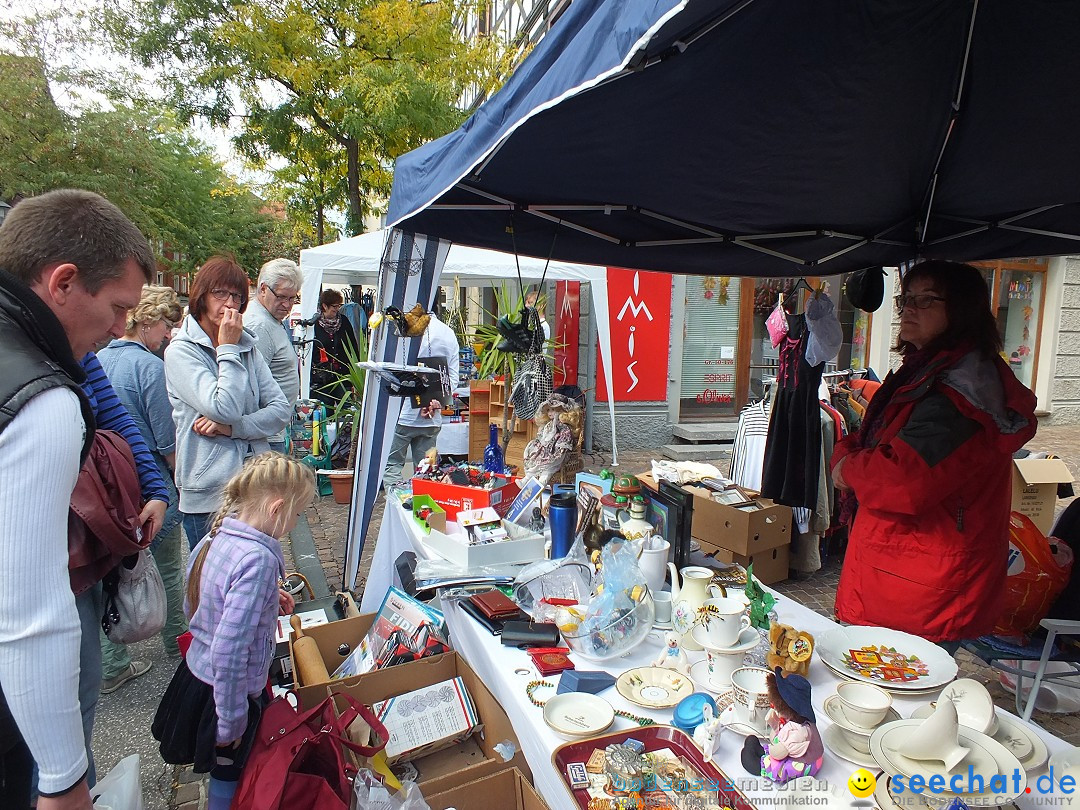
{"points": [[232, 385]]}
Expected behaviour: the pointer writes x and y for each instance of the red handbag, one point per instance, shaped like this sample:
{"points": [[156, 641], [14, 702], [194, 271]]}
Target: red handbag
{"points": [[297, 761]]}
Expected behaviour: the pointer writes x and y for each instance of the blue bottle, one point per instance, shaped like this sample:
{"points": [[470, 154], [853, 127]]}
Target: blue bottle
{"points": [[493, 455]]}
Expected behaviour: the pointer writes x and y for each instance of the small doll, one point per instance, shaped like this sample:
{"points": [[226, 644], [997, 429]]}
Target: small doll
{"points": [[672, 656], [428, 464], [789, 649], [794, 748]]}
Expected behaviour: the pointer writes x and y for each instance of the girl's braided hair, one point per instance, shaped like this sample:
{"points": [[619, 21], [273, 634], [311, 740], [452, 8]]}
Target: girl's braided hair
{"points": [[262, 479]]}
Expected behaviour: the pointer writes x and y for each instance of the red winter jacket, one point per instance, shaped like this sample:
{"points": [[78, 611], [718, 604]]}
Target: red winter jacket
{"points": [[928, 549]]}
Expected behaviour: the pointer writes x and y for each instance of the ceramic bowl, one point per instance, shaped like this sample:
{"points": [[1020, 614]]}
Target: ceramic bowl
{"points": [[578, 714], [974, 706]]}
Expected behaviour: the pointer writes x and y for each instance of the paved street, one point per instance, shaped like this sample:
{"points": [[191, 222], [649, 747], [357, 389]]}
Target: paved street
{"points": [[124, 717]]}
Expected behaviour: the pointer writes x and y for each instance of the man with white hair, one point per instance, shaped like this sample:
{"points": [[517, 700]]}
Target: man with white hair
{"points": [[278, 289]]}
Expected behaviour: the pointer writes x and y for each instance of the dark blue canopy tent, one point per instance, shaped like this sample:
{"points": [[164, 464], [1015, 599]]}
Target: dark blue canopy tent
{"points": [[770, 137]]}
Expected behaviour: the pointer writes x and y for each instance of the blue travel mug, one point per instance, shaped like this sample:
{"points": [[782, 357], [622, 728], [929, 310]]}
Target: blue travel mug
{"points": [[562, 516]]}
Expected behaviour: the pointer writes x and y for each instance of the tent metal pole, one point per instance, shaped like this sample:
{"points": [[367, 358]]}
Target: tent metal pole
{"points": [[590, 373], [719, 240], [775, 253], [568, 224], [682, 224], [1039, 232]]}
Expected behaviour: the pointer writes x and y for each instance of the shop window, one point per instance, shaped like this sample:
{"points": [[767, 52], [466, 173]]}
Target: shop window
{"points": [[710, 347], [1017, 291]]}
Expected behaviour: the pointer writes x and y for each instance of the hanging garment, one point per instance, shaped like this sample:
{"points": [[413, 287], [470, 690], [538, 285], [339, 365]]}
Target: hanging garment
{"points": [[826, 334], [748, 451], [793, 449]]}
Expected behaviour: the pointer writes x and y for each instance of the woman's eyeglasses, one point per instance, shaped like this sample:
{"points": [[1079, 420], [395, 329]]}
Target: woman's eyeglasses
{"points": [[223, 295], [920, 301], [294, 298]]}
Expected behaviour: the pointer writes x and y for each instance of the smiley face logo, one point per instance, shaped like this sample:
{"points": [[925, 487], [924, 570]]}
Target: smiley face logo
{"points": [[861, 783]]}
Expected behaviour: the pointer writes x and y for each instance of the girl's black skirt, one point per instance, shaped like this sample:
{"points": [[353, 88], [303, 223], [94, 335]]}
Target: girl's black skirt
{"points": [[186, 727]]}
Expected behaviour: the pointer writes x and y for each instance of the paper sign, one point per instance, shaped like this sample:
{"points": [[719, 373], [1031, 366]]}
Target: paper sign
{"points": [[308, 618]]}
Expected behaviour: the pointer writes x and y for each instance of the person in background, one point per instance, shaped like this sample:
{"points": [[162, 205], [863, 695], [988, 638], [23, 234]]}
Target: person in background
{"points": [[226, 404], [211, 709], [334, 339], [931, 467], [530, 301], [418, 428], [71, 266], [277, 290], [137, 375]]}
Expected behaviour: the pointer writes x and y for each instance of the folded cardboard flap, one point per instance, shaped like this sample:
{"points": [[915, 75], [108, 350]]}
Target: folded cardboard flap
{"points": [[1034, 488], [472, 759], [330, 637], [1043, 470], [506, 790]]}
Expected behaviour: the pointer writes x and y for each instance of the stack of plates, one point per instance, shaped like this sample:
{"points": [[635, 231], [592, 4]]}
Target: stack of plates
{"points": [[899, 662], [1012, 733], [986, 758]]}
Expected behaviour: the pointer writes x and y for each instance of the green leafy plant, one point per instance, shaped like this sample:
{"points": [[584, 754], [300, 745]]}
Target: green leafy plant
{"points": [[761, 601], [352, 380]]}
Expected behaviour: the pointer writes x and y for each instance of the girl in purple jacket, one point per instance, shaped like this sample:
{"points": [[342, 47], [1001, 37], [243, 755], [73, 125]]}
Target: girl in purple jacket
{"points": [[211, 710]]}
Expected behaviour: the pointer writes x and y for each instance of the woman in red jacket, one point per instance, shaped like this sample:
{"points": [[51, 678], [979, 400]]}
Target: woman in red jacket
{"points": [[931, 467]]}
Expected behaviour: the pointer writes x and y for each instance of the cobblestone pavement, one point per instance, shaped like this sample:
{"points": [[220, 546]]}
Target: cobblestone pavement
{"points": [[124, 717]]}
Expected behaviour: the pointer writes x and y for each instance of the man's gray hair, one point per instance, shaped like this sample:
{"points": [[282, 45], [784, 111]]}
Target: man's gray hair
{"points": [[276, 271]]}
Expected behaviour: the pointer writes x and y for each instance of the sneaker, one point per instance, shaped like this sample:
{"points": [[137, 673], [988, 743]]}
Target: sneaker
{"points": [[133, 671]]}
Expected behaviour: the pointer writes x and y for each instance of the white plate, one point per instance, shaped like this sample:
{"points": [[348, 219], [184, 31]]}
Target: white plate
{"points": [[834, 645], [834, 710], [748, 639], [1013, 734], [835, 741], [699, 674], [887, 739], [847, 675], [578, 714]]}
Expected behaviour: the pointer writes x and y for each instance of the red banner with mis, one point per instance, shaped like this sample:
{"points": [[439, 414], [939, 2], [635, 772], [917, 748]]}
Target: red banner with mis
{"points": [[639, 316], [567, 331]]}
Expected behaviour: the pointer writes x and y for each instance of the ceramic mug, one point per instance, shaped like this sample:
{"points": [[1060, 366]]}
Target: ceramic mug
{"points": [[721, 667], [722, 620], [653, 564], [662, 601], [864, 704], [749, 686]]}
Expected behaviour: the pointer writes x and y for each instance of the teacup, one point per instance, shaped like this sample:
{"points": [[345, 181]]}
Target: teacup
{"points": [[662, 601], [722, 620], [749, 686], [722, 666], [860, 742], [864, 705]]}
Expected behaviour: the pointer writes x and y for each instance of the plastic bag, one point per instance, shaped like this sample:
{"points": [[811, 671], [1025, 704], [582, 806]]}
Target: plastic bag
{"points": [[826, 335], [370, 794], [1035, 578], [777, 325], [121, 789]]}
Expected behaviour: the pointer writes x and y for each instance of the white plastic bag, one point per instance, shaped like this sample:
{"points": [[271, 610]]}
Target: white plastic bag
{"points": [[121, 789], [370, 794]]}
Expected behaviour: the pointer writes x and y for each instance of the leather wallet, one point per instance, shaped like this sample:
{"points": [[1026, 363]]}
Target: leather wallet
{"points": [[495, 604], [493, 626], [529, 634]]}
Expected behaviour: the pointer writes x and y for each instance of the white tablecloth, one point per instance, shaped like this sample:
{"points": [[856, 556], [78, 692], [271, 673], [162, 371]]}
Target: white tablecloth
{"points": [[498, 667], [453, 438]]}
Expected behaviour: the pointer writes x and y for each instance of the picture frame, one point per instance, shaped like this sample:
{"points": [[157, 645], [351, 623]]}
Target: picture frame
{"points": [[658, 516], [732, 496]]}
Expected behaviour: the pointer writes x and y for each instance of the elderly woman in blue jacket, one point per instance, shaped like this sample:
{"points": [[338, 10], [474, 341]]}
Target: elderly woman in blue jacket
{"points": [[226, 403]]}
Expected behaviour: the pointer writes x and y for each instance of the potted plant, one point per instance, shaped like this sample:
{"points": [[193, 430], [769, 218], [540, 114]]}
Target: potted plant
{"points": [[347, 413]]}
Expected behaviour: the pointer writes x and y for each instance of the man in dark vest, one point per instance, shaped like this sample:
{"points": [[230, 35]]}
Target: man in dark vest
{"points": [[71, 265]]}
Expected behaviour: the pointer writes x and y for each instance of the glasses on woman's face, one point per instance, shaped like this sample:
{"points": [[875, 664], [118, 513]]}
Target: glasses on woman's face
{"points": [[224, 295], [918, 301], [294, 298]]}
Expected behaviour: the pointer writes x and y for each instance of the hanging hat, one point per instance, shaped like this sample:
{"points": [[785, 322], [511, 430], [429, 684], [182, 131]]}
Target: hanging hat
{"points": [[865, 289], [795, 690]]}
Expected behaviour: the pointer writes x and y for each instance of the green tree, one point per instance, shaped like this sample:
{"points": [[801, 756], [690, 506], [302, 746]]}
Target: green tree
{"points": [[375, 78]]}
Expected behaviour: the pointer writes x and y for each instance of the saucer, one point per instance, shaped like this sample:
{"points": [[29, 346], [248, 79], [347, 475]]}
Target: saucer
{"points": [[748, 639], [834, 710], [1012, 733], [654, 687], [725, 704], [699, 674], [834, 740], [889, 737]]}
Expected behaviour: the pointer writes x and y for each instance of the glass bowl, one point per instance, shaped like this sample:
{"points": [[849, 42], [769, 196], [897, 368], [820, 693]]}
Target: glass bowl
{"points": [[619, 636]]}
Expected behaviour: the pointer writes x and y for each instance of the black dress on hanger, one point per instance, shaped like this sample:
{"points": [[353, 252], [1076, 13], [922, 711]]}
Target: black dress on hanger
{"points": [[793, 448]]}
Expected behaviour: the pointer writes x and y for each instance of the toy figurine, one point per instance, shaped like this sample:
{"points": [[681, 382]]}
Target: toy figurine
{"points": [[428, 464], [672, 656], [794, 748], [789, 649], [537, 522], [707, 735]]}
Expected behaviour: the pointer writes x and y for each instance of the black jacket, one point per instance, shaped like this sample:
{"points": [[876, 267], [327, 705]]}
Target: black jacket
{"points": [[34, 355]]}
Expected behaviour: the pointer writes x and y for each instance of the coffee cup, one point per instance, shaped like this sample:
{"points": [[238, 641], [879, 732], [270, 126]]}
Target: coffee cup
{"points": [[749, 687], [864, 704], [721, 667], [653, 563], [722, 620], [662, 601]]}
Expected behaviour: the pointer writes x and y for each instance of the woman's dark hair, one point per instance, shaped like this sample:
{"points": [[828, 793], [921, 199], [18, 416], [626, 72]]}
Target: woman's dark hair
{"points": [[219, 273], [967, 306], [330, 298]]}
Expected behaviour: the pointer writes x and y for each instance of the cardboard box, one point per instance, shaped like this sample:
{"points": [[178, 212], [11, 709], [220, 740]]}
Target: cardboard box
{"points": [[770, 565], [1034, 488], [454, 498], [506, 790], [472, 759], [339, 607], [745, 532], [330, 637], [435, 520], [524, 545]]}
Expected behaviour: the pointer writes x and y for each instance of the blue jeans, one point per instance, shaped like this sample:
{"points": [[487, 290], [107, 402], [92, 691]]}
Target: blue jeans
{"points": [[196, 525], [279, 447]]}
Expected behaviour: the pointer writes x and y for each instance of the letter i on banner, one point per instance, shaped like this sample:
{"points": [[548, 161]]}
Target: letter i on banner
{"points": [[639, 314]]}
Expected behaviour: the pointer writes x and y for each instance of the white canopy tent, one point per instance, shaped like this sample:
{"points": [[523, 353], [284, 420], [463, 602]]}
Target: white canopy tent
{"points": [[356, 261], [366, 259]]}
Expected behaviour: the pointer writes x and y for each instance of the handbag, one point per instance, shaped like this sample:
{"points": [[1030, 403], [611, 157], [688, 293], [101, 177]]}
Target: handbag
{"points": [[135, 603], [298, 762], [533, 380]]}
